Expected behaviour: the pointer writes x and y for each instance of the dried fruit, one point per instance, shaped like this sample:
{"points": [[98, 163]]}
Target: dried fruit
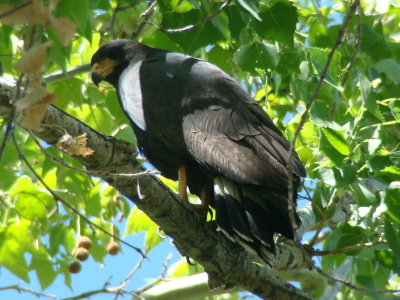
{"points": [[84, 242], [75, 267], [81, 254], [113, 248]]}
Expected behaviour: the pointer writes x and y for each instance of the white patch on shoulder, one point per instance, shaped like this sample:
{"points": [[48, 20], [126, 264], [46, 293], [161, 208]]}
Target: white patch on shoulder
{"points": [[131, 94]]}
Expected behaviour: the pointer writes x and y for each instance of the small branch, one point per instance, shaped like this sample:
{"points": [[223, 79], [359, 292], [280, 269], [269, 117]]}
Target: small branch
{"points": [[65, 203], [189, 27], [344, 250], [14, 9], [323, 217], [131, 273], [354, 287], [25, 290], [356, 49], [61, 75], [145, 16], [158, 279], [114, 11]]}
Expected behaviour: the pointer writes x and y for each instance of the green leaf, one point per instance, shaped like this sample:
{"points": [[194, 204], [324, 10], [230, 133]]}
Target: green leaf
{"points": [[68, 91], [31, 203], [12, 258], [14, 242], [137, 222], [180, 6], [278, 23], [301, 91], [191, 40], [392, 239], [391, 68], [220, 21], [372, 41], [328, 175], [363, 193], [392, 201], [329, 149], [319, 58], [44, 271], [368, 98], [348, 175], [256, 55], [221, 58], [346, 236], [337, 140], [30, 207], [98, 251], [160, 40], [251, 6], [56, 238], [93, 205], [379, 162], [79, 12], [320, 115]]}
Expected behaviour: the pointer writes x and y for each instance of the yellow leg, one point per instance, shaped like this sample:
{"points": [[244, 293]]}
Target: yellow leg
{"points": [[182, 183], [205, 198]]}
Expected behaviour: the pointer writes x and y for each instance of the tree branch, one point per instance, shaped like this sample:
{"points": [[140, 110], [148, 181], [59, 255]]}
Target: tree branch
{"points": [[227, 263], [25, 290]]}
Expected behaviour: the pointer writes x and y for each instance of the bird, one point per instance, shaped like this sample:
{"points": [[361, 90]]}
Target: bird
{"points": [[195, 124]]}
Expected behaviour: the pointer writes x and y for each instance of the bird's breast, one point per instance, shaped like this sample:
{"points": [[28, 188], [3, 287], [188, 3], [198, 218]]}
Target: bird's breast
{"points": [[130, 94]]}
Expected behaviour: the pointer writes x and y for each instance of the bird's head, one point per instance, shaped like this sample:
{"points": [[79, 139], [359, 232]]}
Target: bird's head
{"points": [[113, 57]]}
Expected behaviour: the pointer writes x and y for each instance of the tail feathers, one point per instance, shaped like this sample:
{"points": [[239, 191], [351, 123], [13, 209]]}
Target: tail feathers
{"points": [[252, 224]]}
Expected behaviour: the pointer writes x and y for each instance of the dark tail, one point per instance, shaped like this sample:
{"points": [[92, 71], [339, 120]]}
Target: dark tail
{"points": [[253, 214]]}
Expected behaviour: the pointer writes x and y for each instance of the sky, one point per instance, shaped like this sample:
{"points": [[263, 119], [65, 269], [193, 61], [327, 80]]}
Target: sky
{"points": [[93, 275]]}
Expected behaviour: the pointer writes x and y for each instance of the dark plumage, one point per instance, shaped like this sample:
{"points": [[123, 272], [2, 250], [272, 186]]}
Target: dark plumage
{"points": [[189, 113]]}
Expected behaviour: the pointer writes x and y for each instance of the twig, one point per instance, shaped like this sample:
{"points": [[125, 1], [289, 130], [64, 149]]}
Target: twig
{"points": [[10, 123], [356, 49], [120, 288], [145, 16], [352, 286], [189, 27], [14, 9], [25, 290], [65, 203], [344, 250], [158, 279], [331, 202], [289, 166], [71, 72], [114, 11], [89, 294]]}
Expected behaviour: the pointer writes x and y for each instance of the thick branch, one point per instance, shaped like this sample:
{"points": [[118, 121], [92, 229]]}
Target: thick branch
{"points": [[226, 262]]}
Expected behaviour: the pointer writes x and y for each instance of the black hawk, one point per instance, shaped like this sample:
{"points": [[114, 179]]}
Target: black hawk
{"points": [[195, 124]]}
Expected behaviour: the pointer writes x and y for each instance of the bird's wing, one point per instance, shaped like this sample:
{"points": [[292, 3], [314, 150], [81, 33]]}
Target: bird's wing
{"points": [[227, 130]]}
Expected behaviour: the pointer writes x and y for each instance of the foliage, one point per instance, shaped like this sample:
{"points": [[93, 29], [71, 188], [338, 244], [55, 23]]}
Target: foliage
{"points": [[277, 49]]}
